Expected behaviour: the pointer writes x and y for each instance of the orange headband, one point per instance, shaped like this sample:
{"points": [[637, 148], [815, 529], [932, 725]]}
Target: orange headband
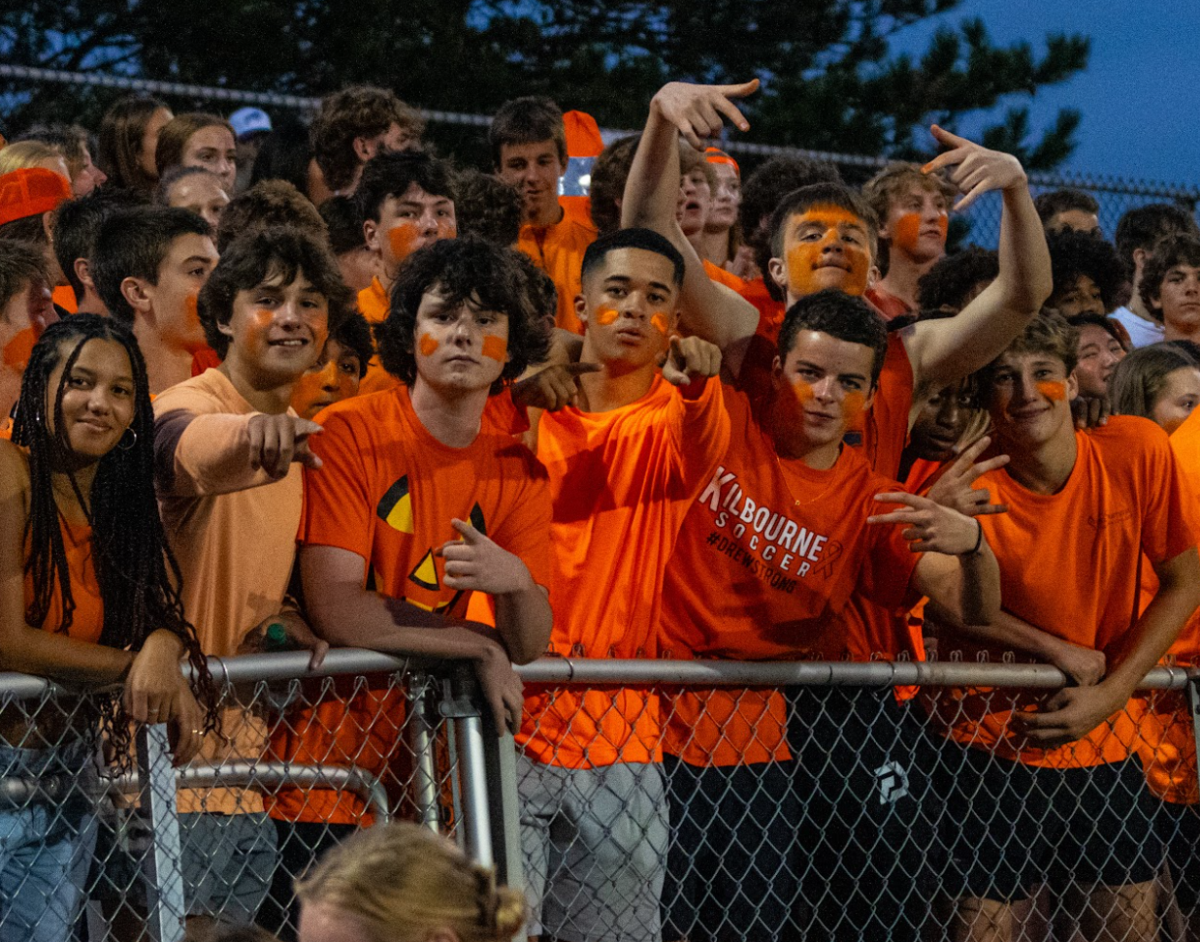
{"points": [[714, 155]]}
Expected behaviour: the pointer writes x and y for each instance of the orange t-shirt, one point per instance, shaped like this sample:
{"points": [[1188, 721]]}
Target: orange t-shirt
{"points": [[759, 360], [1068, 566], [768, 555], [87, 620], [374, 304], [886, 430], [886, 303], [64, 297], [558, 251], [387, 492], [621, 483], [1167, 744]]}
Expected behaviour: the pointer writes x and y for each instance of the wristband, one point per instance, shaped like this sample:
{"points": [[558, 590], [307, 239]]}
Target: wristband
{"points": [[978, 539]]}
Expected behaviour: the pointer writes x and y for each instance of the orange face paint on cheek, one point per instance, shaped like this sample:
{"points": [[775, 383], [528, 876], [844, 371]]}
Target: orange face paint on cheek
{"points": [[1054, 390], [660, 323], [854, 409], [802, 391], [401, 239], [800, 261], [907, 230], [427, 345], [605, 316], [495, 347], [192, 307]]}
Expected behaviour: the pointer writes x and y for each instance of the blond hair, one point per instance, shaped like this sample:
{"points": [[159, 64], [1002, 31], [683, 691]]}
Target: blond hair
{"points": [[26, 154], [403, 882]]}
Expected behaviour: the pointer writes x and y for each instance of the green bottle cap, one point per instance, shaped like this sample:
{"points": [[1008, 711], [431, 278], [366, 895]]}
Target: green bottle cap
{"points": [[276, 638]]}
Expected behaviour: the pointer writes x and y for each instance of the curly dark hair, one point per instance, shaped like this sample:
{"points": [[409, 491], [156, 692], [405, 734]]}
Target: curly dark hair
{"points": [[487, 207], [135, 569], [267, 205], [464, 269], [1171, 251], [355, 333], [357, 111], [392, 174], [1075, 253], [950, 281], [344, 222], [257, 256], [1145, 226], [1049, 205]]}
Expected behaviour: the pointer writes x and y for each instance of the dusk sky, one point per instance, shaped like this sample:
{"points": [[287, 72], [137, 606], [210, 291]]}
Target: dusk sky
{"points": [[1139, 92]]}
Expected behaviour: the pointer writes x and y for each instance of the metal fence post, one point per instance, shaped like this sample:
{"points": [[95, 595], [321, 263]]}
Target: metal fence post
{"points": [[420, 739], [162, 866], [461, 705]]}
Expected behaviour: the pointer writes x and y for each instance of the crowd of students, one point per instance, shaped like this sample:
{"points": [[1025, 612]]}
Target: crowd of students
{"points": [[323, 379]]}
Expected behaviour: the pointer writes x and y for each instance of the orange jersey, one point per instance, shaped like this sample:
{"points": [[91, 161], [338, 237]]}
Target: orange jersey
{"points": [[621, 483], [387, 492], [558, 251], [769, 553], [886, 431], [1167, 745], [1068, 566]]}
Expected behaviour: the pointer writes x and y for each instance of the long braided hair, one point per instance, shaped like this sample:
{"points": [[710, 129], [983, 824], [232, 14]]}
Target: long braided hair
{"points": [[137, 574]]}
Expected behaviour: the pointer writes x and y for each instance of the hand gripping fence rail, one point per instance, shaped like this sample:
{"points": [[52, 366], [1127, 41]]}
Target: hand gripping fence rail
{"points": [[643, 800]]}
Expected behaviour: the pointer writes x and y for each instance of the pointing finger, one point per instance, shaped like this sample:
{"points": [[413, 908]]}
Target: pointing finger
{"points": [[469, 533]]}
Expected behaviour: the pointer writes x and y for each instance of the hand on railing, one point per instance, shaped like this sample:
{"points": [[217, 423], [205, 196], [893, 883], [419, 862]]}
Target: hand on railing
{"points": [[156, 691], [1070, 715], [1085, 666]]}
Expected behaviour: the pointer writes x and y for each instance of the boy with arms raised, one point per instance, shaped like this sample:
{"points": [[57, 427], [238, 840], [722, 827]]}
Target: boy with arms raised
{"points": [[1045, 782], [781, 536], [824, 237], [624, 465]]}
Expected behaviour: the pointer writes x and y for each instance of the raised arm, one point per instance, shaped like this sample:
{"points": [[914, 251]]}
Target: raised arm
{"points": [[944, 351], [708, 310]]}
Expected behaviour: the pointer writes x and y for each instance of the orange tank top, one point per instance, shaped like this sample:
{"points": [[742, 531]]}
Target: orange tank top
{"points": [[88, 619]]}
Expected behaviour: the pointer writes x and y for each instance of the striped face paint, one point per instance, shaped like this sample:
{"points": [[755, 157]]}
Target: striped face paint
{"points": [[854, 409], [606, 316], [1054, 390], [495, 348], [659, 322], [427, 345]]}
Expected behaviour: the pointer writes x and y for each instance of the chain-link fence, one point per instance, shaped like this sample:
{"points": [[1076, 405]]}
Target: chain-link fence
{"points": [[808, 801], [979, 224]]}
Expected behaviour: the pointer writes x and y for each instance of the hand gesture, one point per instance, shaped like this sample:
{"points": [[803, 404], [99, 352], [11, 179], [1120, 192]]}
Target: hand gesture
{"points": [[552, 388], [953, 489], [690, 358], [697, 110], [932, 528], [1085, 667], [502, 688], [278, 440], [976, 169], [1070, 715], [157, 692], [1090, 411], [299, 635], [477, 564]]}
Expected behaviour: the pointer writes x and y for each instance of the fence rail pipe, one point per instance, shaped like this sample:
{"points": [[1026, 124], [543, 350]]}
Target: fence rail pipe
{"points": [[162, 868]]}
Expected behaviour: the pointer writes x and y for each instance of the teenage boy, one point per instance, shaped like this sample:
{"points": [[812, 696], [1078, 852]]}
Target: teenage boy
{"points": [[823, 236], [356, 124], [1138, 232], [912, 210], [25, 311], [1044, 782], [1067, 208], [77, 222], [1170, 287], [529, 152], [148, 266], [625, 462], [228, 451], [405, 202], [767, 558], [28, 198]]}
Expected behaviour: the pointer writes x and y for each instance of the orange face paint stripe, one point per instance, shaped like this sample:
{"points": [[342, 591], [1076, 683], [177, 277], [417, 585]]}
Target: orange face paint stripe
{"points": [[495, 347], [1054, 390], [605, 316], [427, 345], [660, 323], [401, 239], [18, 350]]}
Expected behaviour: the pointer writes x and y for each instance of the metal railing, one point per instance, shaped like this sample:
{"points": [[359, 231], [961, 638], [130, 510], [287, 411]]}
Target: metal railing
{"points": [[844, 824]]}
